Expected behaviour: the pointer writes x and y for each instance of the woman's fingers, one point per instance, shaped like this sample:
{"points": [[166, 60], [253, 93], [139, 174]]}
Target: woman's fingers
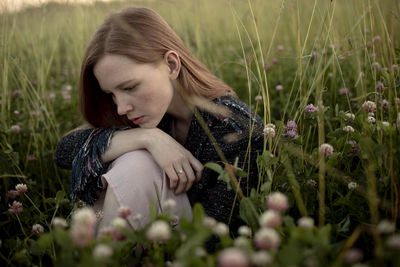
{"points": [[173, 177], [189, 175], [198, 168], [182, 180]]}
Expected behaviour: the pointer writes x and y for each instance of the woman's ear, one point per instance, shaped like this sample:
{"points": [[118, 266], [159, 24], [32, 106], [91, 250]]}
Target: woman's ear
{"points": [[171, 58]]}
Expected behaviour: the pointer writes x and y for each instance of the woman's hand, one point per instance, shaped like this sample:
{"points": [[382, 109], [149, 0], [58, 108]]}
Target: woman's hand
{"points": [[181, 167]]}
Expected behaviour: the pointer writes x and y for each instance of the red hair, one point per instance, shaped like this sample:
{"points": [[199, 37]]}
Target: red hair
{"points": [[143, 36]]}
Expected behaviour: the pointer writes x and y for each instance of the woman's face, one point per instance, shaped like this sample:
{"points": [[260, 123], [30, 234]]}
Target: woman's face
{"points": [[142, 92]]}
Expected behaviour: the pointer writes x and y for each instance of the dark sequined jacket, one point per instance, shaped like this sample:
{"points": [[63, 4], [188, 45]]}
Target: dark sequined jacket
{"points": [[231, 133]]}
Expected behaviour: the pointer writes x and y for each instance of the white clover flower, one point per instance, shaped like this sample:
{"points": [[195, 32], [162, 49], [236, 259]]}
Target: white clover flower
{"points": [[269, 131], [349, 116], [348, 129], [220, 229], [137, 217], [393, 242], [233, 257], [209, 222], [37, 229], [102, 251], [244, 230], [124, 212], [326, 149], [306, 222], [15, 129], [277, 201], [270, 218], [59, 222], [82, 227], [267, 238], [370, 119], [279, 87], [84, 216], [385, 123], [352, 185], [261, 258], [258, 98], [119, 223], [369, 106], [159, 231], [241, 242], [21, 189], [169, 204], [386, 227]]}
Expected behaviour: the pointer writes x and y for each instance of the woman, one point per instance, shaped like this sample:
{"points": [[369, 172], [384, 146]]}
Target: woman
{"points": [[152, 107]]}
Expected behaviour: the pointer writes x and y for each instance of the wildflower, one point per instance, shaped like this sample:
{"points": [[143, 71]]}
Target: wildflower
{"points": [[353, 255], [385, 69], [279, 87], [326, 149], [385, 124], [16, 93], [355, 148], [233, 257], [16, 112], [352, 185], [221, 229], [311, 183], [31, 158], [370, 119], [258, 98], [21, 189], [124, 212], [15, 207], [291, 129], [159, 231], [275, 60], [306, 222], [310, 108], [267, 66], [341, 57], [376, 65], [271, 219], [174, 220], [349, 116], [209, 222], [269, 131], [169, 204], [386, 227], [12, 194], [348, 129], [59, 222], [82, 227], [385, 104], [362, 74], [52, 96], [137, 217], [66, 87], [277, 201], [267, 238], [119, 223], [369, 106], [15, 129], [261, 258], [376, 39], [37, 229], [244, 231], [393, 242], [343, 91], [395, 67], [280, 48], [102, 251], [241, 242]]}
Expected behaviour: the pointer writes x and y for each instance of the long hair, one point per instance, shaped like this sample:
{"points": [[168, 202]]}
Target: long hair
{"points": [[143, 36]]}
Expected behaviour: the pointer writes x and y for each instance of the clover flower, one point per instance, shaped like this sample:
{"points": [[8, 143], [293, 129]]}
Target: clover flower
{"points": [[349, 116], [386, 227], [37, 229], [209, 222], [369, 106], [311, 183], [384, 104], [343, 91], [102, 251], [277, 201], [269, 131], [393, 242], [169, 204], [376, 65], [275, 60], [21, 189], [305, 222], [16, 112], [352, 185], [267, 238], [16, 93], [279, 87], [270, 218], [220, 229], [82, 226], [241, 242], [348, 129], [15, 207], [353, 255], [124, 212], [12, 194], [326, 149], [15, 129], [233, 257], [258, 98], [280, 48], [244, 230], [59, 222], [310, 108], [380, 86], [291, 129], [370, 119], [261, 258], [376, 39], [159, 231], [355, 148], [395, 67]]}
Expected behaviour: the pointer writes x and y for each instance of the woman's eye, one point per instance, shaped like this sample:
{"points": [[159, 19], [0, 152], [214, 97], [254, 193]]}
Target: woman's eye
{"points": [[129, 88]]}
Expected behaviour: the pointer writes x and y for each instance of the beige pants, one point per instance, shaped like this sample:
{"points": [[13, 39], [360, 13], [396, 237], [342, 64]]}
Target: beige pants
{"points": [[132, 181]]}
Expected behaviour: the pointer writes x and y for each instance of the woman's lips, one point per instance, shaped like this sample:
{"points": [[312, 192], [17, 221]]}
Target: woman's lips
{"points": [[138, 120]]}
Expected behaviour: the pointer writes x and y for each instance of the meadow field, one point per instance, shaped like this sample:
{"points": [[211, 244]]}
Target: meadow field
{"points": [[325, 77]]}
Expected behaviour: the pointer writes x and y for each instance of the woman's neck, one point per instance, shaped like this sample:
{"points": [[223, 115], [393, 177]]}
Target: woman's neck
{"points": [[182, 117]]}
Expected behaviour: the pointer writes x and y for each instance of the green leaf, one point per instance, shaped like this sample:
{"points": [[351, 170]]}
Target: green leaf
{"points": [[248, 213], [214, 166]]}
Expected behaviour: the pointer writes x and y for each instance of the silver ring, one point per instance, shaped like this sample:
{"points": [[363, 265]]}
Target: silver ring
{"points": [[180, 171]]}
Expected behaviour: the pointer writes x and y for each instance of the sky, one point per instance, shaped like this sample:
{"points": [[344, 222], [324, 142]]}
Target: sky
{"points": [[15, 5]]}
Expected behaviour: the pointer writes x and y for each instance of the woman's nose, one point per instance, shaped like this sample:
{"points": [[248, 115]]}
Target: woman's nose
{"points": [[123, 107]]}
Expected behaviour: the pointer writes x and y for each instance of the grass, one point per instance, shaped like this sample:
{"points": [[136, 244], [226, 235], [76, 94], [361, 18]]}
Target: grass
{"points": [[326, 46]]}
